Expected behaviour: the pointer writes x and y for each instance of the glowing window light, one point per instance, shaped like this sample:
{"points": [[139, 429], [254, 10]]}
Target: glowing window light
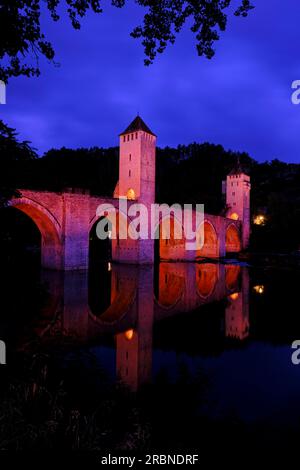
{"points": [[234, 216]]}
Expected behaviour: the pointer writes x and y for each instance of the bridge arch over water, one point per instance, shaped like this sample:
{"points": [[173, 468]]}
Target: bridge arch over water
{"points": [[208, 240], [49, 227], [233, 239], [117, 223]]}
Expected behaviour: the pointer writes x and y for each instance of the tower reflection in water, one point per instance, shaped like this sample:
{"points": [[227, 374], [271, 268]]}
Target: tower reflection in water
{"points": [[126, 301]]}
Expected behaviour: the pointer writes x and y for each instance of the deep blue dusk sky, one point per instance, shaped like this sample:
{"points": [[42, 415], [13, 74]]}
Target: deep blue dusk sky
{"points": [[240, 99]]}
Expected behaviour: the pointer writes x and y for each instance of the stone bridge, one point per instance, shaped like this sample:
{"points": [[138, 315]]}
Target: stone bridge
{"points": [[65, 219]]}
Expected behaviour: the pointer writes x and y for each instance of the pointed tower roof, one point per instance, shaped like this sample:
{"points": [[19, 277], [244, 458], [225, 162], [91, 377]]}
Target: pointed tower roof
{"points": [[238, 169], [137, 125]]}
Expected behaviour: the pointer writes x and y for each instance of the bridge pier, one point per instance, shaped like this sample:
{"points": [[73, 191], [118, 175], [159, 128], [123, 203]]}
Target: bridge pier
{"points": [[222, 240], [75, 239]]}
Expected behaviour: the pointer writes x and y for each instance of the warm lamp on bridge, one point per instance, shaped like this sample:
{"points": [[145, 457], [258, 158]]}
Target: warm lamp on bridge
{"points": [[259, 289], [131, 194], [234, 296], [259, 219], [129, 334], [234, 216]]}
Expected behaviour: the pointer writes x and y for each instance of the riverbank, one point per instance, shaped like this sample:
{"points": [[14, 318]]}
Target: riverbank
{"points": [[271, 260]]}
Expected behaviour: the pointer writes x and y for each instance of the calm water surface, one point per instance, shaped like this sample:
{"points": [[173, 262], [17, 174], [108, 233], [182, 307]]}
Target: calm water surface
{"points": [[225, 327]]}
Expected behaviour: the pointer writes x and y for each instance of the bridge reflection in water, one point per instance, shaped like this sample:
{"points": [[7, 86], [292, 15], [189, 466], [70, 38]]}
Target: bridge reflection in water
{"points": [[133, 299]]}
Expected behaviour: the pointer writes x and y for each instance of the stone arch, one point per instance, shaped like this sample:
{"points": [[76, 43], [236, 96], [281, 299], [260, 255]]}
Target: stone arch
{"points": [[206, 278], [172, 247], [121, 247], [99, 250], [210, 244], [233, 241], [51, 246]]}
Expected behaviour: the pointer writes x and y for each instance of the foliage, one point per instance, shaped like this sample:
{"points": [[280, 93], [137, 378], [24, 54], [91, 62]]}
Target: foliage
{"points": [[40, 409], [22, 37], [275, 191], [94, 169], [13, 152], [166, 19], [194, 174]]}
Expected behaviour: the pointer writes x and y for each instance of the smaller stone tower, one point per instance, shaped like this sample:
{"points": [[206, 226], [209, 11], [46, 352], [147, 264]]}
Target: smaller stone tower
{"points": [[237, 324], [238, 200]]}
